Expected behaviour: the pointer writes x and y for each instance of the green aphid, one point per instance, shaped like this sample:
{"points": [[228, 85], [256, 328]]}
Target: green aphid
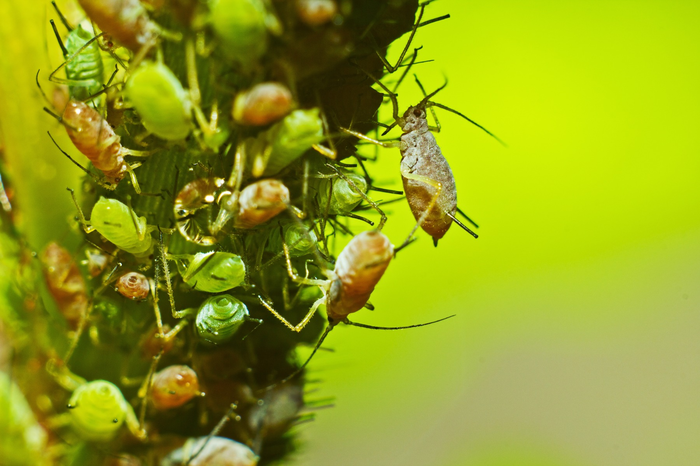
{"points": [[300, 241], [241, 26], [285, 141], [337, 196], [120, 225], [84, 71], [97, 411], [218, 318], [160, 100], [212, 272]]}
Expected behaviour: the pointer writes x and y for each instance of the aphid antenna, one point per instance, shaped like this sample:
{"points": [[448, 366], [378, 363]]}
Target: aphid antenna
{"points": [[460, 212], [220, 425], [426, 103], [61, 17], [410, 240], [84, 316], [374, 327], [94, 177], [347, 165], [434, 20], [166, 271], [384, 190], [408, 68]]}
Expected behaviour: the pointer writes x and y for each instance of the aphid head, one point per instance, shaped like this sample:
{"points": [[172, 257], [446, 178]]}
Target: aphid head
{"points": [[414, 119]]}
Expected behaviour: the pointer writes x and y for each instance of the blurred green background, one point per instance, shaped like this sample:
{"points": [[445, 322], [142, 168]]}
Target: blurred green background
{"points": [[576, 340], [576, 336]]}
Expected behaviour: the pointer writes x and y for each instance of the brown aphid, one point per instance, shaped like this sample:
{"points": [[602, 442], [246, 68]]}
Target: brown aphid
{"points": [[195, 200], [254, 205], [96, 139], [127, 21], [65, 282], [211, 451], [262, 104], [173, 387], [316, 12], [133, 285], [96, 261]]}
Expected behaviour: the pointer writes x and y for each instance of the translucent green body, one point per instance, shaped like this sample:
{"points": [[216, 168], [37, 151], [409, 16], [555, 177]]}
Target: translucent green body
{"points": [[291, 137], [219, 317], [97, 410], [160, 100], [116, 222], [84, 71], [240, 26], [212, 272]]}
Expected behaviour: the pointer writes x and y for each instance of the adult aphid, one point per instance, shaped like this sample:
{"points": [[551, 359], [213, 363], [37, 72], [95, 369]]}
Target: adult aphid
{"points": [[127, 21], [428, 181], [95, 138], [358, 269]]}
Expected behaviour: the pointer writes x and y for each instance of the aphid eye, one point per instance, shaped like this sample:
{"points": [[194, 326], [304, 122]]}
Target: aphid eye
{"points": [[417, 112]]}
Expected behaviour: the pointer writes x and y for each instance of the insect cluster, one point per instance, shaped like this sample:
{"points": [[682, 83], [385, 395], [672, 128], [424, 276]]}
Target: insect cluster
{"points": [[221, 138]]}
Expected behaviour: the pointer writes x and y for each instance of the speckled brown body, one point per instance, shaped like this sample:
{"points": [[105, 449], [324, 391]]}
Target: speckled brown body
{"points": [[422, 156], [95, 138], [125, 20], [357, 271]]}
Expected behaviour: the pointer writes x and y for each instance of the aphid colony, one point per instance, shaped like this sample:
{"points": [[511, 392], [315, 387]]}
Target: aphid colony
{"points": [[207, 265]]}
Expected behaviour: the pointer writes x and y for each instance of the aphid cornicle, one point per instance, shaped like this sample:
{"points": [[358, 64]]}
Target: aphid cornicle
{"points": [[209, 451], [133, 285], [160, 100], [120, 225], [173, 387], [212, 272], [126, 21]]}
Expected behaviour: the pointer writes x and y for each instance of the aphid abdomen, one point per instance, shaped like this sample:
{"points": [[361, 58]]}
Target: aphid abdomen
{"points": [[65, 282], [133, 285], [98, 409], [261, 201], [422, 156], [125, 20], [85, 70], [174, 386], [359, 268], [95, 138], [113, 220]]}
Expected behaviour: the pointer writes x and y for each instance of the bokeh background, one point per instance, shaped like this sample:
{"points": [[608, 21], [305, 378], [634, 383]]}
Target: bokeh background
{"points": [[576, 340], [576, 336]]}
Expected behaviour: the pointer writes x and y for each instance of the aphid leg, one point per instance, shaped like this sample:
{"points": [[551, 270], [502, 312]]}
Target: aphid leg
{"points": [[220, 425], [208, 128], [322, 284], [166, 271], [84, 316], [408, 68], [145, 389], [81, 217], [363, 195], [431, 205], [388, 66]]}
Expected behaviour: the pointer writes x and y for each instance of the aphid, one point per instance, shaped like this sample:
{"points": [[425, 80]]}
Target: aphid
{"points": [[212, 272], [316, 12], [160, 100], [133, 285], [338, 196], [95, 138], [241, 26], [173, 387], [126, 21], [262, 104], [84, 68], [300, 241], [255, 204], [119, 224], [358, 269], [428, 181], [193, 206], [285, 141], [98, 409], [65, 282], [218, 318], [96, 261], [212, 450]]}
